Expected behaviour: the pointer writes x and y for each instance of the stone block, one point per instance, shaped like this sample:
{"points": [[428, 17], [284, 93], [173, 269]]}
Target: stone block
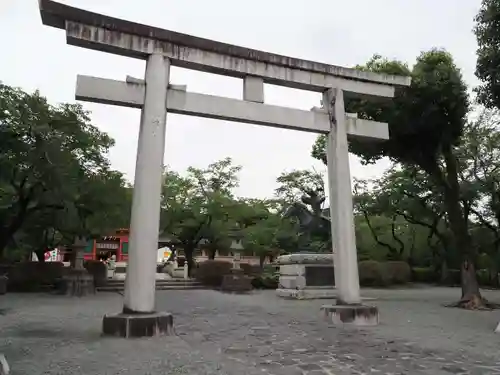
{"points": [[138, 325], [306, 276], [78, 283], [358, 315]]}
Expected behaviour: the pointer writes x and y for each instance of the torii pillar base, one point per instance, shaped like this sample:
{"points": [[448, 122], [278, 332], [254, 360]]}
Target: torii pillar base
{"points": [[138, 325], [497, 330], [354, 315]]}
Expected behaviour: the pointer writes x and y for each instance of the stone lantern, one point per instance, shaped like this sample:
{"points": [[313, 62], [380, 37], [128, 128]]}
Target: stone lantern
{"points": [[236, 281], [78, 281], [236, 248]]}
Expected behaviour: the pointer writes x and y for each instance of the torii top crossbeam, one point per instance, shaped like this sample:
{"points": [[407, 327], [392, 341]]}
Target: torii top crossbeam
{"points": [[109, 34]]}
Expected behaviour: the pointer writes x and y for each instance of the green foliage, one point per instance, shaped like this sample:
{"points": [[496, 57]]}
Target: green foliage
{"points": [[423, 118], [425, 275], [398, 272], [200, 209], [55, 180], [34, 276], [266, 281], [487, 32], [372, 273], [293, 185]]}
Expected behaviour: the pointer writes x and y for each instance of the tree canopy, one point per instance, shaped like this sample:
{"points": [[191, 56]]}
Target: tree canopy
{"points": [[55, 177], [488, 54]]}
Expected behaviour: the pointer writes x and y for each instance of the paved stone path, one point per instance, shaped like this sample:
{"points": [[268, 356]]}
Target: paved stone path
{"points": [[257, 334]]}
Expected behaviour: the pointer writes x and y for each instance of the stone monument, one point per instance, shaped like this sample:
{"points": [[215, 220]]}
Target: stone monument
{"points": [[154, 95], [306, 276]]}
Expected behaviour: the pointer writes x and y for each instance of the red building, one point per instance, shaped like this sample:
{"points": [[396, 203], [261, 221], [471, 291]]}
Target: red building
{"points": [[104, 247]]}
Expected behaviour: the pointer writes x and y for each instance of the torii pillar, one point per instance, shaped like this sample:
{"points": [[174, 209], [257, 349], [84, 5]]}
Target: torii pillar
{"points": [[139, 317]]}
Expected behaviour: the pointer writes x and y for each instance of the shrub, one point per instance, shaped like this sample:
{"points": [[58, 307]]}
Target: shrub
{"points": [[424, 275], [211, 272], [266, 281], [250, 269], [371, 273], [98, 270], [483, 277], [398, 272], [34, 276], [484, 261]]}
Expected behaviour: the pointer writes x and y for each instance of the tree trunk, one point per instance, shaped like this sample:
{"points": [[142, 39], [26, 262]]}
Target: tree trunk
{"points": [[471, 296]]}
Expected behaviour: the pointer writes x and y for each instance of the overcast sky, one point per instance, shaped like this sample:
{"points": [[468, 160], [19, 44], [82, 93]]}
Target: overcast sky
{"points": [[332, 31]]}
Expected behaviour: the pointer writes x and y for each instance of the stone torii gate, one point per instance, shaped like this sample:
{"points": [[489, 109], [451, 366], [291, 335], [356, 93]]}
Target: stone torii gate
{"points": [[155, 97]]}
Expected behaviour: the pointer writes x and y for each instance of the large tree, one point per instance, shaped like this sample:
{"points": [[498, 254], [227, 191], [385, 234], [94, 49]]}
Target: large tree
{"points": [[480, 160], [198, 205], [426, 123], [402, 199], [294, 184], [46, 153]]}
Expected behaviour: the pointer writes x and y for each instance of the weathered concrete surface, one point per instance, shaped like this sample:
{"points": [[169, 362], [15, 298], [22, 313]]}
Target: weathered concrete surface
{"points": [[341, 205], [139, 293], [256, 334], [306, 276], [127, 94], [101, 32]]}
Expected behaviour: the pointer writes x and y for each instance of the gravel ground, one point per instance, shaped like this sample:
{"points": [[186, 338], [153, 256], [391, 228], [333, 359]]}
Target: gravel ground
{"points": [[253, 334]]}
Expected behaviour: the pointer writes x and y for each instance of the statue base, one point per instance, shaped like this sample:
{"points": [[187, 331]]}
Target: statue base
{"points": [[138, 325], [306, 276]]}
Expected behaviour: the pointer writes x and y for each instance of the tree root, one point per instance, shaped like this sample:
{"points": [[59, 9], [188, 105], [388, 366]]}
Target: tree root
{"points": [[475, 303]]}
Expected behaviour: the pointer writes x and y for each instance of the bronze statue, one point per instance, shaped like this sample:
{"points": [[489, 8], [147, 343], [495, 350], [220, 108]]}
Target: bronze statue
{"points": [[313, 225]]}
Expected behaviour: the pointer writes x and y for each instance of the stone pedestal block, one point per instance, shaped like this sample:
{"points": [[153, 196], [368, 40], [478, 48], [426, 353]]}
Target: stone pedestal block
{"points": [[306, 276], [3, 284], [236, 282], [78, 283], [358, 315], [138, 325]]}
